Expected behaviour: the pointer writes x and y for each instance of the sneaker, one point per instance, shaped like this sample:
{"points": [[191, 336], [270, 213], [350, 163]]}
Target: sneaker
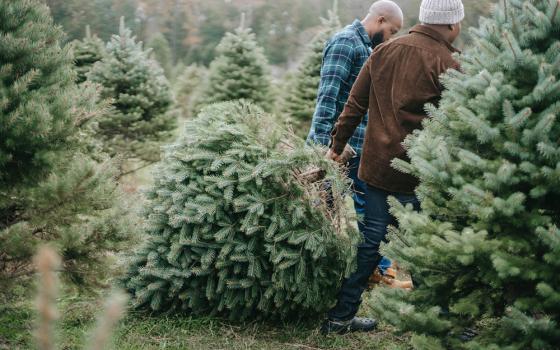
{"points": [[357, 324]]}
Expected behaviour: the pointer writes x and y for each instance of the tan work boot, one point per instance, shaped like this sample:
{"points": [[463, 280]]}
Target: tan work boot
{"points": [[389, 279]]}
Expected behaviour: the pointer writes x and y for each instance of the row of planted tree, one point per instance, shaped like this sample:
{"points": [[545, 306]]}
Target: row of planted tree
{"points": [[240, 71], [244, 222]]}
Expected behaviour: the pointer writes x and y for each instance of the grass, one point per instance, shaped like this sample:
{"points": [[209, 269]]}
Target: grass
{"points": [[141, 331]]}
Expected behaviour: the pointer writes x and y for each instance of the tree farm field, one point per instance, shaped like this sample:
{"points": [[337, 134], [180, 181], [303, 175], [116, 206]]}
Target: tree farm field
{"points": [[140, 331], [183, 174]]}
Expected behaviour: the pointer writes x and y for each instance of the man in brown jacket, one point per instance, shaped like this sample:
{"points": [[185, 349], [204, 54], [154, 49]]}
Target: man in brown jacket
{"points": [[397, 80]]}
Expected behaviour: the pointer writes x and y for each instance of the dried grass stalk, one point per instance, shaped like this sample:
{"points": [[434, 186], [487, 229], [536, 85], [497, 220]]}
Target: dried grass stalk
{"points": [[47, 262]]}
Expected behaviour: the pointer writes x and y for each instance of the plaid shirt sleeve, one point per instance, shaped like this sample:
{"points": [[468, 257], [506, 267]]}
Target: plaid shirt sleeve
{"points": [[337, 63]]}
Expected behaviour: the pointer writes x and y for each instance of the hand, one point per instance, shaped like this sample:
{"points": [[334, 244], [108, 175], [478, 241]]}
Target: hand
{"points": [[347, 154], [333, 156]]}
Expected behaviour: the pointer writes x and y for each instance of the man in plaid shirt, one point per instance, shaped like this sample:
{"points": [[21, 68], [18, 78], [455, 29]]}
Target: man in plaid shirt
{"points": [[343, 57]]}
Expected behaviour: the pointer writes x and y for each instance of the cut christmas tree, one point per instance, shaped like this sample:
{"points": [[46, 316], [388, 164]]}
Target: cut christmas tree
{"points": [[485, 249], [238, 72], [51, 191], [237, 229], [86, 52], [301, 96], [142, 116]]}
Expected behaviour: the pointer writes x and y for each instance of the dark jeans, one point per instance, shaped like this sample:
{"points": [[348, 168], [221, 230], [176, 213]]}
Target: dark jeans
{"points": [[376, 220], [359, 196]]}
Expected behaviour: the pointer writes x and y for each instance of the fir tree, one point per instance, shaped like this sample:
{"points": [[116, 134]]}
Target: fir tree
{"points": [[486, 246], [301, 96], [86, 52], [238, 72], [161, 52], [233, 227], [51, 191], [142, 116], [187, 88]]}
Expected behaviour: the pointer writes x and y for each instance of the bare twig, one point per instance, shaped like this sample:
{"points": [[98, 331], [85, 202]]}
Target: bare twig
{"points": [[510, 46], [312, 176], [555, 12], [121, 175]]}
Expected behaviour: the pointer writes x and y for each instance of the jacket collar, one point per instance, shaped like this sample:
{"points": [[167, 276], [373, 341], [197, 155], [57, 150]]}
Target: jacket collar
{"points": [[425, 30], [359, 28]]}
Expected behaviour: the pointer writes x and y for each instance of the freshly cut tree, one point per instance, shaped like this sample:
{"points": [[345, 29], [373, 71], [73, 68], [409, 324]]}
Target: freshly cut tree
{"points": [[142, 116], [238, 72], [187, 88], [235, 226], [86, 52], [161, 52], [51, 191], [301, 95], [486, 246]]}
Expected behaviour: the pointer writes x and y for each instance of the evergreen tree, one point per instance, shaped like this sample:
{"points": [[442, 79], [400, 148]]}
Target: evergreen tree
{"points": [[187, 88], [142, 116], [235, 230], [176, 72], [162, 53], [86, 52], [51, 191], [486, 246], [301, 97], [238, 72]]}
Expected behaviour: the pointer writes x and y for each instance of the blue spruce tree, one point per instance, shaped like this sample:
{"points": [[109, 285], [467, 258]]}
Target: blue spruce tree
{"points": [[142, 116], [239, 71], [486, 247]]}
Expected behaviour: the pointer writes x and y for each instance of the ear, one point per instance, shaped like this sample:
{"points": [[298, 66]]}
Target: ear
{"points": [[381, 19]]}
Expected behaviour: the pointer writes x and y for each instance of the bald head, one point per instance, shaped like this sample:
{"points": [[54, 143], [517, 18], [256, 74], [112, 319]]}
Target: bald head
{"points": [[387, 9], [384, 19]]}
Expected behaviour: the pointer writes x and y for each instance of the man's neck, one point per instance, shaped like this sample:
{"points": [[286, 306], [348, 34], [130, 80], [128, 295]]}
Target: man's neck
{"points": [[369, 32]]}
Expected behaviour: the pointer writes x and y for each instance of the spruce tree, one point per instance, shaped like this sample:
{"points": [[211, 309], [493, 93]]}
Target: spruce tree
{"points": [[234, 227], [238, 72], [301, 96], [142, 115], [161, 52], [86, 52], [485, 249], [187, 88], [51, 191]]}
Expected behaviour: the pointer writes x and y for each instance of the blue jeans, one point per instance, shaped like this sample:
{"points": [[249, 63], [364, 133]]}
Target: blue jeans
{"points": [[376, 220], [359, 196]]}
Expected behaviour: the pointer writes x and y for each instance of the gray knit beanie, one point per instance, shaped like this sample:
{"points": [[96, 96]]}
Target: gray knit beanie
{"points": [[441, 11]]}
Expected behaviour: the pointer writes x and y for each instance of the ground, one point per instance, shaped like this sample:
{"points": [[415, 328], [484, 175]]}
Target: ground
{"points": [[140, 331]]}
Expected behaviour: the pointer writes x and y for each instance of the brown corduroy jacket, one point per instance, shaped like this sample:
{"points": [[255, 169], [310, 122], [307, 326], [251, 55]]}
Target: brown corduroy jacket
{"points": [[398, 79]]}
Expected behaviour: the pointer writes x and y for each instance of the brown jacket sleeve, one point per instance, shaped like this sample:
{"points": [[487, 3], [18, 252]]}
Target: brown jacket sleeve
{"points": [[354, 111]]}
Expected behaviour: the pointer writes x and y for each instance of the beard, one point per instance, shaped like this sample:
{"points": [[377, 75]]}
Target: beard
{"points": [[377, 39]]}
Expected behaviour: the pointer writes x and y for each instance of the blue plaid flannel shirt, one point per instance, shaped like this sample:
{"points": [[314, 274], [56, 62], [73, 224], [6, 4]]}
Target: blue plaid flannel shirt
{"points": [[343, 57]]}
